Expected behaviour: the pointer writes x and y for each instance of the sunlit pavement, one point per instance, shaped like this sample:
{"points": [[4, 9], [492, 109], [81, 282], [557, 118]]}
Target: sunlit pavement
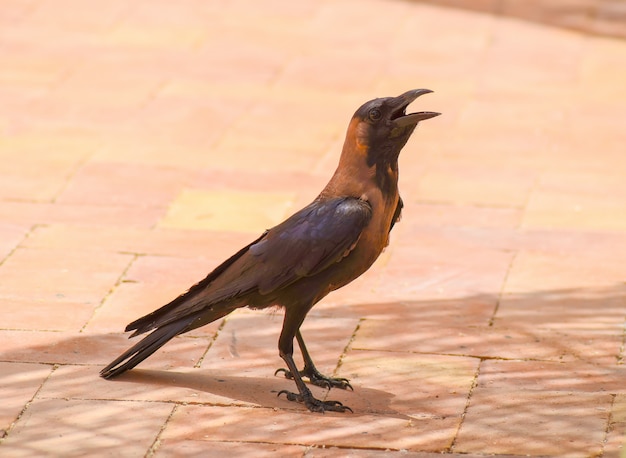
{"points": [[141, 143]]}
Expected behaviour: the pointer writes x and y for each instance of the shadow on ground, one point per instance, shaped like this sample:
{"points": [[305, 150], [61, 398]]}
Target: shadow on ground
{"points": [[469, 382]]}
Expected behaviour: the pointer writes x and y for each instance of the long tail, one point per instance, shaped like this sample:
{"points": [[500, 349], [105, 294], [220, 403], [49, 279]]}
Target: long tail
{"points": [[195, 308], [144, 348]]}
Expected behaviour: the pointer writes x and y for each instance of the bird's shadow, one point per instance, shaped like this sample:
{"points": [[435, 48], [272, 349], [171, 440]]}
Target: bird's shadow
{"points": [[232, 389]]}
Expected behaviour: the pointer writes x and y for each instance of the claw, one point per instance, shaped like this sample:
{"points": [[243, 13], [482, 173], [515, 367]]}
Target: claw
{"points": [[318, 379], [290, 396], [287, 373], [314, 404]]}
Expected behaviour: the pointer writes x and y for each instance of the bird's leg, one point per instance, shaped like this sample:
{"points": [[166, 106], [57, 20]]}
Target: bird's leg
{"points": [[304, 395], [311, 372]]}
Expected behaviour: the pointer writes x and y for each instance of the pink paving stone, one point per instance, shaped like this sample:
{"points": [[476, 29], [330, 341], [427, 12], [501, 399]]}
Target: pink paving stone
{"points": [[557, 247], [471, 184], [226, 210], [45, 315], [76, 428], [86, 348], [109, 183], [532, 272], [10, 237], [30, 213], [76, 16], [534, 423], [601, 347], [423, 387], [395, 432], [251, 94], [248, 343], [462, 215], [616, 438], [175, 448], [60, 276], [468, 311], [18, 384], [149, 283], [35, 68], [424, 264], [337, 452], [574, 376], [23, 178], [160, 242], [584, 200], [175, 384], [130, 301], [309, 71], [590, 310]]}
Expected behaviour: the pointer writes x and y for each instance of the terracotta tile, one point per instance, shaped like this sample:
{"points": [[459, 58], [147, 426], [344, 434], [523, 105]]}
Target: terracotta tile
{"points": [[86, 348], [248, 343], [616, 437], [148, 284], [44, 315], [19, 384], [15, 10], [424, 387], [424, 263], [338, 452], [130, 301], [573, 309], [584, 201], [173, 384], [533, 272], [99, 183], [11, 235], [289, 427], [475, 185], [36, 68], [227, 210], [29, 213], [77, 16], [596, 246], [509, 60], [158, 242], [473, 310], [176, 447], [60, 276], [534, 423], [603, 62], [29, 178], [514, 342], [541, 376], [311, 71], [510, 249], [453, 215], [76, 428]]}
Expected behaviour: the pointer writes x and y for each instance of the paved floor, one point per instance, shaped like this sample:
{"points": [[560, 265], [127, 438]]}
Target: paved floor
{"points": [[143, 142]]}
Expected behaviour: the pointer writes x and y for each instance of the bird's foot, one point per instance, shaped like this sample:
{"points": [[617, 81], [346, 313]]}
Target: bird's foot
{"points": [[318, 379], [314, 404]]}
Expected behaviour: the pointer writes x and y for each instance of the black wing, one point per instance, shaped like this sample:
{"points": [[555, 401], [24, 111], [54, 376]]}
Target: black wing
{"points": [[310, 241]]}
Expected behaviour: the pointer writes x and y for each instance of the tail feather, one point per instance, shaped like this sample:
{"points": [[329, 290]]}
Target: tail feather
{"points": [[144, 348], [169, 312]]}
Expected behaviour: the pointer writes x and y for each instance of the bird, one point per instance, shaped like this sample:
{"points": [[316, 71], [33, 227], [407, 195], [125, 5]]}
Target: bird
{"points": [[293, 265]]}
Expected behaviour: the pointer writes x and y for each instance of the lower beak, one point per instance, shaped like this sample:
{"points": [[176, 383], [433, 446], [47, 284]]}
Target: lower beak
{"points": [[412, 118]]}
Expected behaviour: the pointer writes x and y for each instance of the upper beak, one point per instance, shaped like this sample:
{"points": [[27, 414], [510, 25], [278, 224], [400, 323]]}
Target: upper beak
{"points": [[401, 119]]}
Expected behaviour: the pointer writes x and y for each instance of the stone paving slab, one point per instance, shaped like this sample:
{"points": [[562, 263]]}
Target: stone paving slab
{"points": [[141, 143]]}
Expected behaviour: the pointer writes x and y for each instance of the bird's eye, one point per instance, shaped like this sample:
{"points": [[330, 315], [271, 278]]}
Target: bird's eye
{"points": [[375, 114]]}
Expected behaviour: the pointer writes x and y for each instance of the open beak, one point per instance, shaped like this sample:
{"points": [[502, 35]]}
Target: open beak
{"points": [[399, 116]]}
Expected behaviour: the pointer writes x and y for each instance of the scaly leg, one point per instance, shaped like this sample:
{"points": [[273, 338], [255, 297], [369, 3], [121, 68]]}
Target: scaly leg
{"points": [[311, 372], [291, 327]]}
